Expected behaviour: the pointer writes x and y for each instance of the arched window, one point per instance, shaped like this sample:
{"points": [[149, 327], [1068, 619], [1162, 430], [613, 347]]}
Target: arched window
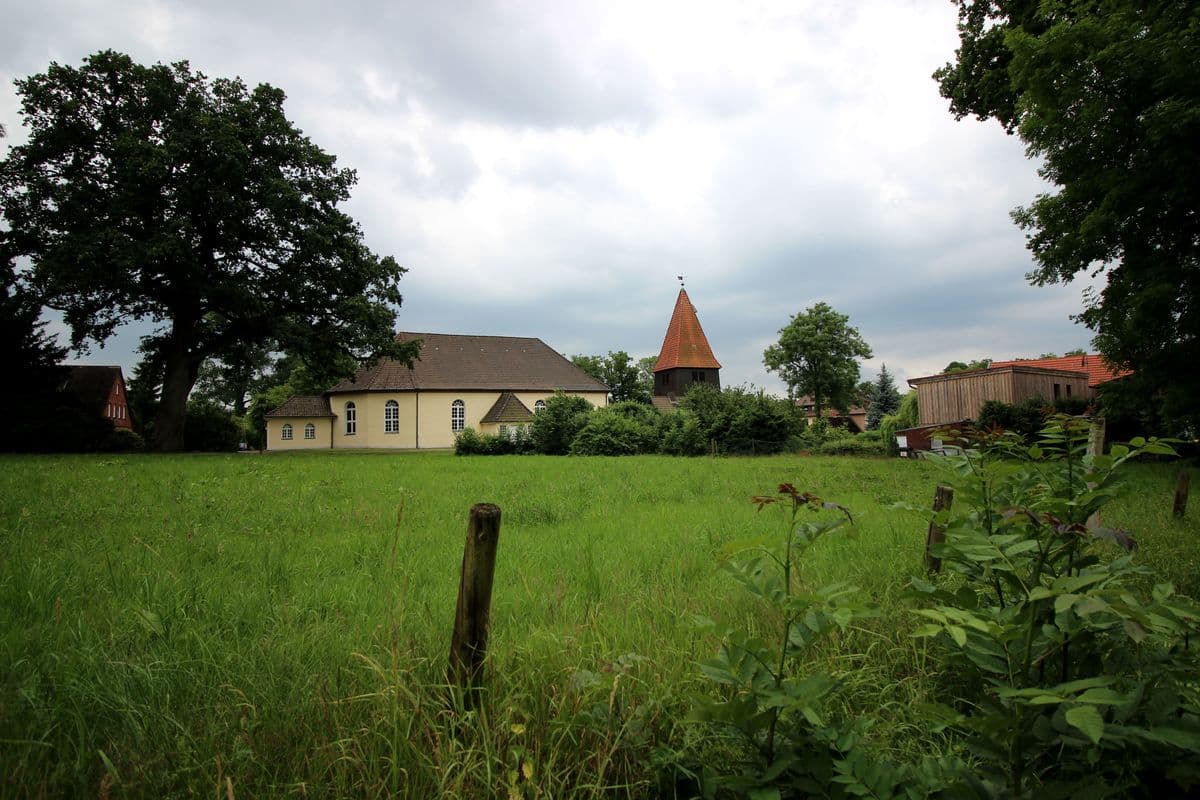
{"points": [[351, 419], [310, 431], [285, 432], [539, 406], [391, 417], [458, 416]]}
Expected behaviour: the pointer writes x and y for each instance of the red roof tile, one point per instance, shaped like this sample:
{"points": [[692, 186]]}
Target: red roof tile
{"points": [[1098, 370], [685, 344]]}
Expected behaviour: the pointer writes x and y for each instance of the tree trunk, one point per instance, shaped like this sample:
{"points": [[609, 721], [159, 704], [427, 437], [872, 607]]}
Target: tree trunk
{"points": [[181, 371]]}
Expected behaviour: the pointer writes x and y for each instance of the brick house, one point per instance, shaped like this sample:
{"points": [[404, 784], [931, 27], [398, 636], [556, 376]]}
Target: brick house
{"points": [[102, 389]]}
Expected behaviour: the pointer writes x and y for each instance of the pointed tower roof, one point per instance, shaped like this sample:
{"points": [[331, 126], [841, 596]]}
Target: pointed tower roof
{"points": [[685, 344]]}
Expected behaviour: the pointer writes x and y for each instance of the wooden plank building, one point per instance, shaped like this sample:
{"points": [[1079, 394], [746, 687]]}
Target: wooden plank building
{"points": [[959, 396]]}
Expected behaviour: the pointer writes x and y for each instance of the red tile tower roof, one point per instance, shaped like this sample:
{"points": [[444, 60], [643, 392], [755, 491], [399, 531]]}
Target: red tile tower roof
{"points": [[685, 344], [1098, 370]]}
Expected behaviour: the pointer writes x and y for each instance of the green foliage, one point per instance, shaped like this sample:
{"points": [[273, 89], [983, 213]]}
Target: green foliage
{"points": [[470, 443], [966, 366], [557, 425], [907, 416], [620, 373], [816, 356], [1027, 417], [1106, 98], [157, 193], [609, 432], [211, 428], [774, 711], [1071, 678], [851, 447], [885, 399], [739, 420], [682, 434]]}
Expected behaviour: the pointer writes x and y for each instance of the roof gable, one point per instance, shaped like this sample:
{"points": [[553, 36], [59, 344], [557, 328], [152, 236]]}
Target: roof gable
{"points": [[480, 363], [508, 408], [1098, 370], [685, 344], [94, 385], [303, 405]]}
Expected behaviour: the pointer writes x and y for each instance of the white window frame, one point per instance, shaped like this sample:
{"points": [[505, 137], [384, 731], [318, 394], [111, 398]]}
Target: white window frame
{"points": [[351, 419], [539, 406], [391, 417], [310, 431], [285, 433], [458, 416]]}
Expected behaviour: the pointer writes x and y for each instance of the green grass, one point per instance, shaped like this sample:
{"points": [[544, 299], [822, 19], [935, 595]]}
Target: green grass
{"points": [[279, 625]]}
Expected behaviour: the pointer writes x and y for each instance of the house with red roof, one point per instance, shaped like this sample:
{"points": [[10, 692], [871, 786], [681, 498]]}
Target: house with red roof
{"points": [[492, 384], [685, 358], [1098, 370]]}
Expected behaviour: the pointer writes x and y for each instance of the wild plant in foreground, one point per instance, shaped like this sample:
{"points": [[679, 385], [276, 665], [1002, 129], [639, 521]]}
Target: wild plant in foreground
{"points": [[1074, 682]]}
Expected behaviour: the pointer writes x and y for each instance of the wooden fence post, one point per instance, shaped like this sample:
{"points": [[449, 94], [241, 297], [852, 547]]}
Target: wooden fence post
{"points": [[468, 645], [943, 498], [1096, 448], [1181, 493]]}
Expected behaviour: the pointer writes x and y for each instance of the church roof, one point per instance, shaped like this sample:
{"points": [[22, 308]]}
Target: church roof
{"points": [[484, 363], [685, 344], [508, 408]]}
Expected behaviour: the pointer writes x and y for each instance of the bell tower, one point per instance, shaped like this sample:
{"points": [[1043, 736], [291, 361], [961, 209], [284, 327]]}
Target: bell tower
{"points": [[686, 357]]}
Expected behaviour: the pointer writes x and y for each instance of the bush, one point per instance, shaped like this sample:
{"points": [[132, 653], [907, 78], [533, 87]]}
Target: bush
{"points": [[612, 433], [681, 434], [123, 440], [856, 446], [210, 428], [556, 425], [741, 420], [908, 416], [471, 443]]}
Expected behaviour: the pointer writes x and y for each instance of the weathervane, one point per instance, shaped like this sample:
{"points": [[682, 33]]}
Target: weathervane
{"points": [[680, 281]]}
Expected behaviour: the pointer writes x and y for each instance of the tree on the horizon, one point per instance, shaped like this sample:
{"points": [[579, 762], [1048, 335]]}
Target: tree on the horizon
{"points": [[885, 398], [154, 193], [1106, 98], [817, 355], [619, 372]]}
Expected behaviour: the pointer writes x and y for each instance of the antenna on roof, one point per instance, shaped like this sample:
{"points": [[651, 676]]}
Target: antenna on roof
{"points": [[680, 281]]}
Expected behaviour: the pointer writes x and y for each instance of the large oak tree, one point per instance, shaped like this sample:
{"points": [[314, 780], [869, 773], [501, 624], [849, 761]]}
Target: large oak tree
{"points": [[155, 193], [817, 355], [1106, 95]]}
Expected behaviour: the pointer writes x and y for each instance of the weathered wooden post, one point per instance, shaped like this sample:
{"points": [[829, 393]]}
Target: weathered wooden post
{"points": [[943, 498], [468, 645], [1181, 493], [1095, 448]]}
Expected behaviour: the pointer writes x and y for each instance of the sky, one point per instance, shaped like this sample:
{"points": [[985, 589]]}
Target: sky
{"points": [[548, 169]]}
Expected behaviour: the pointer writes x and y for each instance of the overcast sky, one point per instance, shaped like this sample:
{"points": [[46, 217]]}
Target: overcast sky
{"points": [[547, 169]]}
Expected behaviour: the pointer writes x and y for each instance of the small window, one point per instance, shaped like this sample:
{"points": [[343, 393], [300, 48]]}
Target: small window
{"points": [[504, 430], [351, 419], [539, 406], [1068, 390], [458, 416], [285, 432], [697, 376], [391, 417], [1057, 390], [310, 431]]}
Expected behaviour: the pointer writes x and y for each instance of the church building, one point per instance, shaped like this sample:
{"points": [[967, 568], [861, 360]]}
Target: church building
{"points": [[685, 358]]}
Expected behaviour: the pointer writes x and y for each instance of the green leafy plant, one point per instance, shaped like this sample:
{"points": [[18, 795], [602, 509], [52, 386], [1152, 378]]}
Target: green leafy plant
{"points": [[770, 710], [1072, 679]]}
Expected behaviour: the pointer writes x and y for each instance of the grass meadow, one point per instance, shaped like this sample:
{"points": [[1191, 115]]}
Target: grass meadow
{"points": [[274, 626]]}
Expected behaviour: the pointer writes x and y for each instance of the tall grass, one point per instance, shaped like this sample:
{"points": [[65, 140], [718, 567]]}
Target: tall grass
{"points": [[279, 625]]}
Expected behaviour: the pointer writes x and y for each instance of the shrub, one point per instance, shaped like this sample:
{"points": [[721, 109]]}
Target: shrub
{"points": [[681, 434], [611, 433], [556, 425], [908, 416], [852, 447], [470, 443], [210, 428]]}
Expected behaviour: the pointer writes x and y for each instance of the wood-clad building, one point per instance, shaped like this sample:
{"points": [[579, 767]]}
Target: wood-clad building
{"points": [[960, 396], [686, 357]]}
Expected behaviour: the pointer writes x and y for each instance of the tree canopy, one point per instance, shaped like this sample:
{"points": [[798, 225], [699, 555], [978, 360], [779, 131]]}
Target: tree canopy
{"points": [[885, 398], [154, 193], [816, 355], [1107, 97], [620, 373]]}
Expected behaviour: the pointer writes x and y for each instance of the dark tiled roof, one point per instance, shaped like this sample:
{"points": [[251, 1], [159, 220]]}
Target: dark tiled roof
{"points": [[664, 403], [1098, 370], [685, 344], [508, 408], [303, 405], [93, 384], [482, 363]]}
